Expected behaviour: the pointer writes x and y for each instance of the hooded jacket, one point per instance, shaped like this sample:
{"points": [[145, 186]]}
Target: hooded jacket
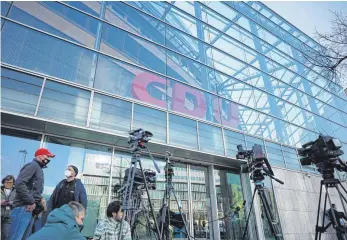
{"points": [[80, 194], [60, 225], [6, 212]]}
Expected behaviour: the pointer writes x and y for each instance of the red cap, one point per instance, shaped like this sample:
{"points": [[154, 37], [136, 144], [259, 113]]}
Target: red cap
{"points": [[43, 151]]}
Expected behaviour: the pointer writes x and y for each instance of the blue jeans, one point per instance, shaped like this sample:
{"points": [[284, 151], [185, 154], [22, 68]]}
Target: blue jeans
{"points": [[21, 223]]}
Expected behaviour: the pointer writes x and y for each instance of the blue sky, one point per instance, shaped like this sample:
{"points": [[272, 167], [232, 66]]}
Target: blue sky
{"points": [[308, 15]]}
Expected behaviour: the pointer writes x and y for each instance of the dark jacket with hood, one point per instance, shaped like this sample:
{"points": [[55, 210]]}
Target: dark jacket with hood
{"points": [[29, 184], [5, 213], [60, 225], [80, 194]]}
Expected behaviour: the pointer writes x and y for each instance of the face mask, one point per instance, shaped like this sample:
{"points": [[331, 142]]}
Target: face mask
{"points": [[67, 173], [45, 162]]}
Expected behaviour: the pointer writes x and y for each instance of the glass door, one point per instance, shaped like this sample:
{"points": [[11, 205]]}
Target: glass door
{"points": [[229, 199]]}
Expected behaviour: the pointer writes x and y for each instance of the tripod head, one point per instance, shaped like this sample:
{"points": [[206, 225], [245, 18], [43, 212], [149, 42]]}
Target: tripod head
{"points": [[169, 171], [137, 140], [258, 165]]}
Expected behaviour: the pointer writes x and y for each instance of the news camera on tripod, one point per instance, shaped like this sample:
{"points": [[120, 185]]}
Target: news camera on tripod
{"points": [[324, 153], [258, 167], [136, 181]]}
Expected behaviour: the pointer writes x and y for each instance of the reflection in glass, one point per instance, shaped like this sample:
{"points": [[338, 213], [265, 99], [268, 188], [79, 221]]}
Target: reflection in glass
{"points": [[191, 72], [38, 52], [57, 19], [92, 8], [134, 21], [128, 81], [274, 154], [182, 132], [200, 198], [64, 103], [19, 91], [229, 197], [93, 162], [150, 120], [110, 114], [130, 48], [17, 149], [210, 139], [232, 139], [5, 6], [193, 102]]}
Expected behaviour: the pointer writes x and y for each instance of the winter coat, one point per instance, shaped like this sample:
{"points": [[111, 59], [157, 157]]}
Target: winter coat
{"points": [[108, 229], [80, 194], [6, 212], [60, 225], [29, 184]]}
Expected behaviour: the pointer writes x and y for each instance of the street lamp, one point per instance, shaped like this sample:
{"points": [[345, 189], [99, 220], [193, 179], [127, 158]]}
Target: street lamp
{"points": [[24, 151]]}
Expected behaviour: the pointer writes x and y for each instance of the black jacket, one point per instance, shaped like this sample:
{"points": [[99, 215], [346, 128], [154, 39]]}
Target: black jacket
{"points": [[29, 184], [80, 194]]}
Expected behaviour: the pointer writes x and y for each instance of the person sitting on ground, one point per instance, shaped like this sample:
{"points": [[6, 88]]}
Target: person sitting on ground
{"points": [[109, 228]]}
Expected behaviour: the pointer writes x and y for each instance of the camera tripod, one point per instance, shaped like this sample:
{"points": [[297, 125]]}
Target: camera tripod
{"points": [[258, 178], [329, 181], [130, 201], [165, 209]]}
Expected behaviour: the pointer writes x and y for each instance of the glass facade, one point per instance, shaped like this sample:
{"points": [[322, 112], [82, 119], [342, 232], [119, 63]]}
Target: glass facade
{"points": [[202, 76]]}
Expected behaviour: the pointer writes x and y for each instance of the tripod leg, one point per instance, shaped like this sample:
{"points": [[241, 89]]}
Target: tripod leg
{"points": [[163, 212], [149, 200], [268, 213], [127, 194], [335, 223], [341, 196], [180, 211], [249, 214], [320, 198]]}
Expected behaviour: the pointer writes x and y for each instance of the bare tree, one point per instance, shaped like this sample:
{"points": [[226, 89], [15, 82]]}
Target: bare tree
{"points": [[331, 58]]}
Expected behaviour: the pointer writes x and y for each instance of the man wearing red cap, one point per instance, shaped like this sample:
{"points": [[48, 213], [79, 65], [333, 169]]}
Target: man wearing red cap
{"points": [[29, 202]]}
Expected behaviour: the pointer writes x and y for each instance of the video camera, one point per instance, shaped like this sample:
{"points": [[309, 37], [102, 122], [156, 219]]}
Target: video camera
{"points": [[139, 136], [325, 148], [258, 165]]}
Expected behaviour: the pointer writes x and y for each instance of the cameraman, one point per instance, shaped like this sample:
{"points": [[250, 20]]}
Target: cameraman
{"points": [[8, 193], [29, 187]]}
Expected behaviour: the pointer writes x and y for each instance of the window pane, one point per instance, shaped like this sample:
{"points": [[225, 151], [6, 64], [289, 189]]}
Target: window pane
{"points": [[150, 120], [92, 8], [130, 48], [210, 139], [64, 103], [182, 132], [57, 19], [35, 51], [274, 154], [94, 165], [110, 114], [5, 5], [290, 155], [134, 21], [187, 45], [125, 80], [193, 102], [229, 196], [232, 139], [19, 91], [157, 9], [17, 149], [189, 71], [200, 199]]}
